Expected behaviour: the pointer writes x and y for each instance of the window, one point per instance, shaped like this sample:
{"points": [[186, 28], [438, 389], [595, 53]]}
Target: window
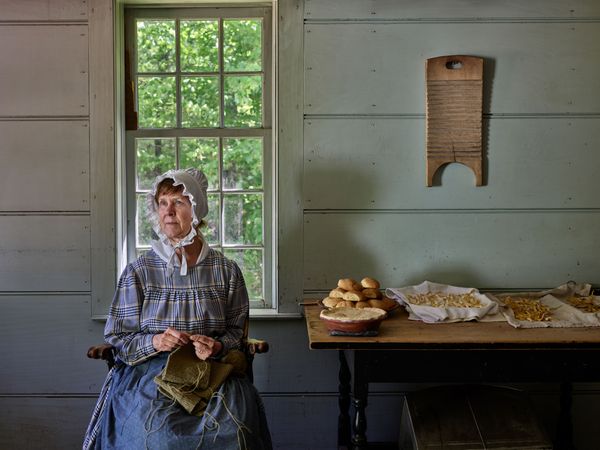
{"points": [[200, 86]]}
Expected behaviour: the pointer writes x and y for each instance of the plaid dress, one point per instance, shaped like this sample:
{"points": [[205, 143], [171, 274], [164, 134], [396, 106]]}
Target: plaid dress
{"points": [[211, 300]]}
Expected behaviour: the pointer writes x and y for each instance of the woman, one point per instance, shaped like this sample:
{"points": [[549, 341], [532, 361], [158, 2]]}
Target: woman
{"points": [[180, 294]]}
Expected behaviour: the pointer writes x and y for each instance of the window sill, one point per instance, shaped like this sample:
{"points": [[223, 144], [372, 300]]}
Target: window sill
{"points": [[255, 313], [270, 313]]}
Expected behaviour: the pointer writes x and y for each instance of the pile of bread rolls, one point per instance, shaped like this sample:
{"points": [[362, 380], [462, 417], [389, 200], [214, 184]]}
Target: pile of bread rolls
{"points": [[366, 294]]}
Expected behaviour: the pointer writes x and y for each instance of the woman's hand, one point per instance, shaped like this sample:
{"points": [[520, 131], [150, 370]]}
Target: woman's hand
{"points": [[170, 340], [205, 346]]}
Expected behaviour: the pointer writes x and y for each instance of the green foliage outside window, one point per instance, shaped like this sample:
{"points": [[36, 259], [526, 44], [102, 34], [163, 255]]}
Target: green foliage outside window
{"points": [[202, 153], [157, 102], [243, 163], [153, 157], [156, 42], [242, 45], [199, 45], [200, 102]]}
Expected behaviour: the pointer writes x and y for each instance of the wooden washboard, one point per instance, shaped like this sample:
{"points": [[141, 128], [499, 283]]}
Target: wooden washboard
{"points": [[454, 95]]}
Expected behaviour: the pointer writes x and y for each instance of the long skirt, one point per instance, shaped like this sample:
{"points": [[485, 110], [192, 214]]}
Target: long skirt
{"points": [[131, 414]]}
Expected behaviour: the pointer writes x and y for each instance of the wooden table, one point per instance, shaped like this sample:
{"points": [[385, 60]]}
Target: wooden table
{"points": [[413, 351]]}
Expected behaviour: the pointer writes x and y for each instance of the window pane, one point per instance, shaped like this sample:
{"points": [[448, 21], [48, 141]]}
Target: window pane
{"points": [[157, 107], [243, 219], [243, 101], [202, 154], [152, 158], [200, 102], [199, 45], [211, 232], [242, 49], [251, 264], [242, 163], [155, 45], [144, 232]]}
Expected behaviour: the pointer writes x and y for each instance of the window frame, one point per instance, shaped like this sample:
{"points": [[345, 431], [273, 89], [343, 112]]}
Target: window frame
{"points": [[266, 133]]}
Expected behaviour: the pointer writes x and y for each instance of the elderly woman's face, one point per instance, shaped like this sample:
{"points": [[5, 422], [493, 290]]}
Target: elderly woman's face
{"points": [[175, 215]]}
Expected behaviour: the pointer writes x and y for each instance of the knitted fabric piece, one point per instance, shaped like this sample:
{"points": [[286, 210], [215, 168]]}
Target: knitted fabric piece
{"points": [[191, 382]]}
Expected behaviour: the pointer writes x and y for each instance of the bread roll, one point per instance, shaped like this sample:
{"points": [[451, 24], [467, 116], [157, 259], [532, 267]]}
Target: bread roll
{"points": [[354, 296], [357, 287], [345, 304], [346, 283], [330, 302], [388, 303], [370, 293], [362, 305], [370, 283], [385, 303], [337, 293], [375, 303]]}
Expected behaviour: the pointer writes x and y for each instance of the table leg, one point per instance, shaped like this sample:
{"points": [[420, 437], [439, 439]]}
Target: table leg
{"points": [[344, 403], [360, 394], [564, 438]]}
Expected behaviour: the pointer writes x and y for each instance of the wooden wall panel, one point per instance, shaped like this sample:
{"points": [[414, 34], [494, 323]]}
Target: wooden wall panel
{"points": [[48, 70], [57, 423], [273, 371], [44, 253], [49, 423], [103, 156], [507, 249], [449, 9], [44, 166], [289, 154], [372, 163], [293, 420], [43, 10], [358, 68], [52, 334]]}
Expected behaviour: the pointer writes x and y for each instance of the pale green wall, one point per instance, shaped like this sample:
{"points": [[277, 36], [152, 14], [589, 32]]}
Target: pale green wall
{"points": [[366, 208], [352, 192]]}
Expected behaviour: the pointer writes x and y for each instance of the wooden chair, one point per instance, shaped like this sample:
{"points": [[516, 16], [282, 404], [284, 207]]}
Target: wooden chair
{"points": [[250, 347]]}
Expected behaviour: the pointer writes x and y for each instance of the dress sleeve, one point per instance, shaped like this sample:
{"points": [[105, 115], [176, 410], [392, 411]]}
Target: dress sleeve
{"points": [[237, 310], [122, 329]]}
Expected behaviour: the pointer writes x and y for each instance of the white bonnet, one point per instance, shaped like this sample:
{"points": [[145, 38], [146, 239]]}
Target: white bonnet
{"points": [[195, 185]]}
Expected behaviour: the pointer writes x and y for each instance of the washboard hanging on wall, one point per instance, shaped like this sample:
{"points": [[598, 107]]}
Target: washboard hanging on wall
{"points": [[454, 97]]}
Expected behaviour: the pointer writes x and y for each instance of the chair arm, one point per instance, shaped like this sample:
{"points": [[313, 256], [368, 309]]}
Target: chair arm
{"points": [[256, 346], [104, 352]]}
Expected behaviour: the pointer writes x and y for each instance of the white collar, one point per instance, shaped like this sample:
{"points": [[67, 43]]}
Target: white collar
{"points": [[166, 252]]}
